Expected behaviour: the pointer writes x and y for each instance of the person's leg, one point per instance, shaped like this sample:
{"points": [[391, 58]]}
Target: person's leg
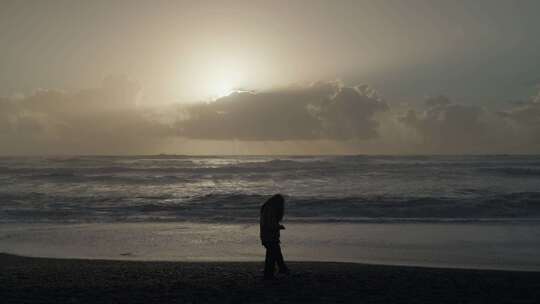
{"points": [[279, 259], [269, 262]]}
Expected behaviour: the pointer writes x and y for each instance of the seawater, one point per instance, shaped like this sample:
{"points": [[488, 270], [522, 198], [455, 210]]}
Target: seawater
{"points": [[452, 211], [230, 189]]}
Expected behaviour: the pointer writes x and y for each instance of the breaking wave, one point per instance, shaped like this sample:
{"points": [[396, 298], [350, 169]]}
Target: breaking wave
{"points": [[244, 208], [230, 189]]}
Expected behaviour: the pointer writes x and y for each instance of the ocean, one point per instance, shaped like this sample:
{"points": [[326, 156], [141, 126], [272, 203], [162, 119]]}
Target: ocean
{"points": [[231, 189], [444, 211]]}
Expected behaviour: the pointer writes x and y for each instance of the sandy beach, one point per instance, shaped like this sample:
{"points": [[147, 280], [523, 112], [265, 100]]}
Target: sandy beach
{"points": [[45, 280]]}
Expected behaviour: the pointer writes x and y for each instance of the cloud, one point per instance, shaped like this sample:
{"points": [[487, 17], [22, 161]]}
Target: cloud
{"points": [[100, 120], [323, 110], [325, 117], [525, 118], [525, 112], [447, 127]]}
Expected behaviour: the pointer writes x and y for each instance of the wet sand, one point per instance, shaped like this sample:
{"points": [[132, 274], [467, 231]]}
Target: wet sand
{"points": [[473, 245], [45, 280]]}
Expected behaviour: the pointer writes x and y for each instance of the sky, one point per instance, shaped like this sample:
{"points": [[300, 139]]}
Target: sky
{"points": [[265, 77]]}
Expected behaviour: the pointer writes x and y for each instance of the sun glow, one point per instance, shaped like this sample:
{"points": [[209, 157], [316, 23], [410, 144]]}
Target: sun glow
{"points": [[222, 89], [217, 75]]}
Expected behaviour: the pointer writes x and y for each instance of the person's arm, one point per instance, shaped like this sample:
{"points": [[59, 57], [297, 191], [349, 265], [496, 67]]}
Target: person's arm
{"points": [[270, 220]]}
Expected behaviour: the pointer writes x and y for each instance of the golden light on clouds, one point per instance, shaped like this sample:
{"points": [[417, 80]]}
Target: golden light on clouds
{"points": [[222, 88], [218, 73], [180, 56], [222, 79]]}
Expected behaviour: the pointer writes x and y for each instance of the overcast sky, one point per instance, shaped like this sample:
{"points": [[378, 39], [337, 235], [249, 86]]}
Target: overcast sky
{"points": [[434, 70]]}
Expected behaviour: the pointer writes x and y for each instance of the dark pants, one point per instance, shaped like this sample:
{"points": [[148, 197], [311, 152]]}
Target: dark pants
{"points": [[273, 257]]}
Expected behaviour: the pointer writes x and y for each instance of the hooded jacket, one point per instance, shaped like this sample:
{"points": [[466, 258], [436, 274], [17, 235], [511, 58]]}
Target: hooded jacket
{"points": [[269, 223]]}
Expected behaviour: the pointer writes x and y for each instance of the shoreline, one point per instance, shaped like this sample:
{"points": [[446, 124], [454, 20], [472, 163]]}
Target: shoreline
{"points": [[42, 280], [464, 246]]}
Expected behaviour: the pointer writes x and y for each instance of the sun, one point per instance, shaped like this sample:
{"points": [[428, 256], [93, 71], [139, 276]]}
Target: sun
{"points": [[222, 89], [220, 78]]}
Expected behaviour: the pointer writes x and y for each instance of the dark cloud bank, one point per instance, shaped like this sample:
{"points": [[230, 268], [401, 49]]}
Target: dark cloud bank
{"points": [[319, 111], [110, 120]]}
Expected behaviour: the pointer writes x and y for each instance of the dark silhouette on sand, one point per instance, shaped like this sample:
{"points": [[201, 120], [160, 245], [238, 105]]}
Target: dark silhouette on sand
{"points": [[271, 214]]}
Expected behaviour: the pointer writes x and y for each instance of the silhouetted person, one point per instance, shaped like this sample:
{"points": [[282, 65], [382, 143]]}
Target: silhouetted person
{"points": [[271, 214]]}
